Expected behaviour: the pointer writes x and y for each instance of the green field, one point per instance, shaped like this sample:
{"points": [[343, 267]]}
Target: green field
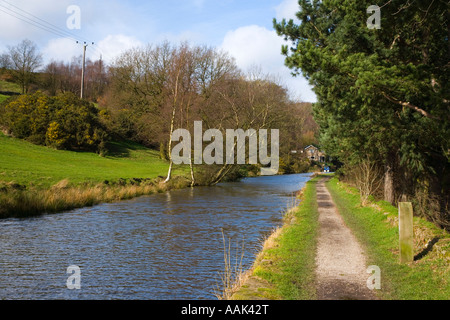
{"points": [[27, 164], [7, 86]]}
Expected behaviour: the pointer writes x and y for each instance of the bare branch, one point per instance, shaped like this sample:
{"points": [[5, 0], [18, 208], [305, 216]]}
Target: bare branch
{"points": [[410, 106]]}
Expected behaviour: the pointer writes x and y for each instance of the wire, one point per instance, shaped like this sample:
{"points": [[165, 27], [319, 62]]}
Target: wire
{"points": [[46, 26], [42, 24], [35, 24]]}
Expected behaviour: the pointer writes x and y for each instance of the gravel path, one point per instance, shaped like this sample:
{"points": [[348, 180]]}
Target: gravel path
{"points": [[341, 264]]}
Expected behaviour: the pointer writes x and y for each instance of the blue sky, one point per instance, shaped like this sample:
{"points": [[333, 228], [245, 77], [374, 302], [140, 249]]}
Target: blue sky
{"points": [[242, 28]]}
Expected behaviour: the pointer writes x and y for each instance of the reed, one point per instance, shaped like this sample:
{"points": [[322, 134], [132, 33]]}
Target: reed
{"points": [[284, 268], [22, 203], [233, 276]]}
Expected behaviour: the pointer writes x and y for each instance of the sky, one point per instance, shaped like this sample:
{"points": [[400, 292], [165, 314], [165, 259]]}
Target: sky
{"points": [[242, 28]]}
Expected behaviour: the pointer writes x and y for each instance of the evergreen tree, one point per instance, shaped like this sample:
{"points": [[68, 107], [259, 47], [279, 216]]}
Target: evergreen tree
{"points": [[382, 93]]}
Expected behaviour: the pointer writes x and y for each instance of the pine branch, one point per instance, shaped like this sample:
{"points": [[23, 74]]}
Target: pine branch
{"points": [[410, 106]]}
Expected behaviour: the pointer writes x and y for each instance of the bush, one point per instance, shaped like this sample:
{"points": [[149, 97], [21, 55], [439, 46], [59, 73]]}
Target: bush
{"points": [[290, 165], [63, 122]]}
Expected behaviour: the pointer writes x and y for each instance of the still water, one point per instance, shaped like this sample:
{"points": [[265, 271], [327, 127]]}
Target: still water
{"points": [[161, 247]]}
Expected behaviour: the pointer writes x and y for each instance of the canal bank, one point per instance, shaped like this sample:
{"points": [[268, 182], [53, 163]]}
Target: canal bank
{"points": [[285, 267], [292, 265], [18, 201]]}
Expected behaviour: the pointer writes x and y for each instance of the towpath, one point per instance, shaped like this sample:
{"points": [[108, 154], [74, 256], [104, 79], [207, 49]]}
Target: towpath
{"points": [[341, 264]]}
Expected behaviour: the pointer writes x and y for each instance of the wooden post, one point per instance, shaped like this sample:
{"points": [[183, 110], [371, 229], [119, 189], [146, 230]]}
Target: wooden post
{"points": [[405, 215]]}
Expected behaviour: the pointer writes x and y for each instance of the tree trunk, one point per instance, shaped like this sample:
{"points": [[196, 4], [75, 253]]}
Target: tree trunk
{"points": [[169, 174], [221, 174], [192, 173], [172, 127]]}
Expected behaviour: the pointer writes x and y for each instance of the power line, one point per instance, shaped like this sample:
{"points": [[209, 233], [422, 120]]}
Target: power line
{"points": [[38, 22], [27, 17], [46, 26], [35, 24]]}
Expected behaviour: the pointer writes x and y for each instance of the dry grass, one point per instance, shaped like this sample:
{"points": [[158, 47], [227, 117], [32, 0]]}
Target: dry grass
{"points": [[16, 202], [234, 278], [233, 275], [247, 282], [271, 242]]}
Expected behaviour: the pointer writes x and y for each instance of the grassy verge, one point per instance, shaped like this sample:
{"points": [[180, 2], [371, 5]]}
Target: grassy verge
{"points": [[36, 179], [35, 166], [285, 268], [376, 227]]}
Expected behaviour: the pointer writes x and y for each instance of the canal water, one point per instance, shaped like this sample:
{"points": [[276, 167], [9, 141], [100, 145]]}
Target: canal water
{"points": [[161, 247]]}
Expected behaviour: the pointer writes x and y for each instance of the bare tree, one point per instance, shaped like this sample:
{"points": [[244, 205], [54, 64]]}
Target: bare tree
{"points": [[5, 61], [25, 60], [163, 88], [52, 77], [369, 179], [247, 102]]}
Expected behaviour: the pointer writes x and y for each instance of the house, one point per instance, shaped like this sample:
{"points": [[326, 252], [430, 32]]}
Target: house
{"points": [[314, 154]]}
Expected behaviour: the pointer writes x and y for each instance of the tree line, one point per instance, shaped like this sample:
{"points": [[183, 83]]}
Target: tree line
{"points": [[24, 65], [148, 92], [383, 95]]}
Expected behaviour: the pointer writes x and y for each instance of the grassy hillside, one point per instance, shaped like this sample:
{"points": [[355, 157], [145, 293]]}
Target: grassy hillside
{"points": [[36, 180], [27, 164], [6, 86]]}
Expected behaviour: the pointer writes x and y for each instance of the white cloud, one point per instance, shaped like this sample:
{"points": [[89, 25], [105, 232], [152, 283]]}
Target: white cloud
{"points": [[61, 49], [109, 48], [254, 45], [287, 10], [257, 46], [114, 45]]}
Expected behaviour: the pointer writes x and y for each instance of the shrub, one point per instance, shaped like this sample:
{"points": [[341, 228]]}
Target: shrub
{"points": [[63, 122]]}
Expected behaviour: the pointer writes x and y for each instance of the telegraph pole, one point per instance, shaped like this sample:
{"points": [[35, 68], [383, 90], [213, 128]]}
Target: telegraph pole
{"points": [[83, 68]]}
